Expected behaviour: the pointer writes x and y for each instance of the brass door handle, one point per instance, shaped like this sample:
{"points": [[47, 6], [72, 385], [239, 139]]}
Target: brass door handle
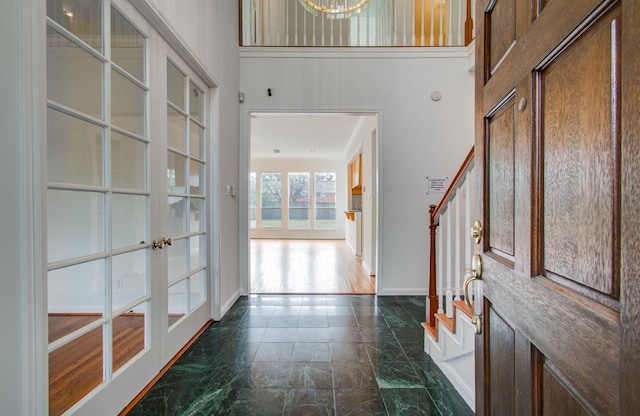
{"points": [[476, 274], [167, 241], [157, 244]]}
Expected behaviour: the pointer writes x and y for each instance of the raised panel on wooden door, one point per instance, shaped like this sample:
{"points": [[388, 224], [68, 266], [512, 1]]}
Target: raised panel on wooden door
{"points": [[501, 362], [500, 31], [500, 166], [581, 169], [557, 396], [542, 4]]}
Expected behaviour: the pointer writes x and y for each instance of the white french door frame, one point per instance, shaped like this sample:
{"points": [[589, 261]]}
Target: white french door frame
{"points": [[120, 386], [174, 338], [161, 344]]}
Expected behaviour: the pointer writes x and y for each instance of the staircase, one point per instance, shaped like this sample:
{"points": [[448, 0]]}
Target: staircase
{"points": [[449, 333], [450, 343]]}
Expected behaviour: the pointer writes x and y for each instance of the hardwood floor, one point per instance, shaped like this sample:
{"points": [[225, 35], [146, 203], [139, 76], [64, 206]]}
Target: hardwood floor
{"points": [[76, 368], [307, 266], [278, 266]]}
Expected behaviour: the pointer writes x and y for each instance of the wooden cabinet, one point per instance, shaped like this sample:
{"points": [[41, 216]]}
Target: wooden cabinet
{"points": [[353, 232], [355, 174]]}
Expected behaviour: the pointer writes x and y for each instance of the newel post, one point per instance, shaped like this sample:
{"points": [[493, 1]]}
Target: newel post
{"points": [[433, 296]]}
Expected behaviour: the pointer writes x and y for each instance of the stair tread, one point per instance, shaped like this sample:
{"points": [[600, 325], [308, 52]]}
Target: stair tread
{"points": [[449, 323], [431, 330], [462, 305]]}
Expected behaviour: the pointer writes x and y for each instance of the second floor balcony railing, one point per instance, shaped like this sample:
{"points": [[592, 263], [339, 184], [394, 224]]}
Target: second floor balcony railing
{"points": [[379, 23]]}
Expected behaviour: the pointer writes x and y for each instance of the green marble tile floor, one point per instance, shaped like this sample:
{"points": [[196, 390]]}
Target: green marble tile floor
{"points": [[308, 355]]}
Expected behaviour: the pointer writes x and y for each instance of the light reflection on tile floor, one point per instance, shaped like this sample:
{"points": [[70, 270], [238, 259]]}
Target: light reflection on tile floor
{"points": [[309, 355]]}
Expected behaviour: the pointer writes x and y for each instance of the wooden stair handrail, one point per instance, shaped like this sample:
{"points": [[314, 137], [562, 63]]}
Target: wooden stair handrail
{"points": [[454, 184], [434, 212]]}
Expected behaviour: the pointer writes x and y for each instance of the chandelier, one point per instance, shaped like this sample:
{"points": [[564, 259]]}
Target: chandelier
{"points": [[334, 9]]}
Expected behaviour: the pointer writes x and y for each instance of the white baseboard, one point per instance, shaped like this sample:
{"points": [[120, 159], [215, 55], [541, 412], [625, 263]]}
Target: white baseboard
{"points": [[370, 270], [350, 246], [225, 308], [419, 291]]}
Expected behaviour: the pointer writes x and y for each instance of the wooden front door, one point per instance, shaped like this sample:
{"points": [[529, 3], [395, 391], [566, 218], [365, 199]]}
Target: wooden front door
{"points": [[558, 146]]}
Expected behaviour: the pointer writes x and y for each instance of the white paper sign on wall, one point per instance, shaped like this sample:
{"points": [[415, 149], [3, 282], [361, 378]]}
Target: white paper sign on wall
{"points": [[437, 185]]}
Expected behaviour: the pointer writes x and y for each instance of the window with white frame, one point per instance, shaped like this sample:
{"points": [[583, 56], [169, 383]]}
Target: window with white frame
{"points": [[310, 203], [325, 200], [299, 198]]}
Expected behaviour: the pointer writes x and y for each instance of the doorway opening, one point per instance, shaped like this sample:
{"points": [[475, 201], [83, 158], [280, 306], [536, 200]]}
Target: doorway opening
{"points": [[312, 203]]}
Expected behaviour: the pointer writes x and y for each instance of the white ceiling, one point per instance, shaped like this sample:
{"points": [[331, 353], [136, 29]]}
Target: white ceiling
{"points": [[302, 135]]}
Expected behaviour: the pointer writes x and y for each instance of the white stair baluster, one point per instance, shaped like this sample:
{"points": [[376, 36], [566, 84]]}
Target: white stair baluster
{"points": [[450, 266], [458, 245], [467, 220]]}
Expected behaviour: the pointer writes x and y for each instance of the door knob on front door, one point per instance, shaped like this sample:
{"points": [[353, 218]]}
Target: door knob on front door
{"points": [[476, 274], [157, 244], [167, 241]]}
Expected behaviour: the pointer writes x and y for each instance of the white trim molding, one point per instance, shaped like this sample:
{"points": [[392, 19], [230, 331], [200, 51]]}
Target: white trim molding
{"points": [[161, 25], [462, 52]]}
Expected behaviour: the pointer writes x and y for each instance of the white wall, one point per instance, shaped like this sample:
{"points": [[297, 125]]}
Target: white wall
{"points": [[210, 30], [311, 166], [363, 142], [11, 295], [17, 215], [417, 138]]}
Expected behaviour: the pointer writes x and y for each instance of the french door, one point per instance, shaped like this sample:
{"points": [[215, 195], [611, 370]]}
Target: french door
{"points": [[184, 217], [126, 205]]}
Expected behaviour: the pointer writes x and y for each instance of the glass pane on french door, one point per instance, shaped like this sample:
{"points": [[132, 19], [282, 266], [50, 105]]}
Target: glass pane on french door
{"points": [[98, 197], [186, 195]]}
